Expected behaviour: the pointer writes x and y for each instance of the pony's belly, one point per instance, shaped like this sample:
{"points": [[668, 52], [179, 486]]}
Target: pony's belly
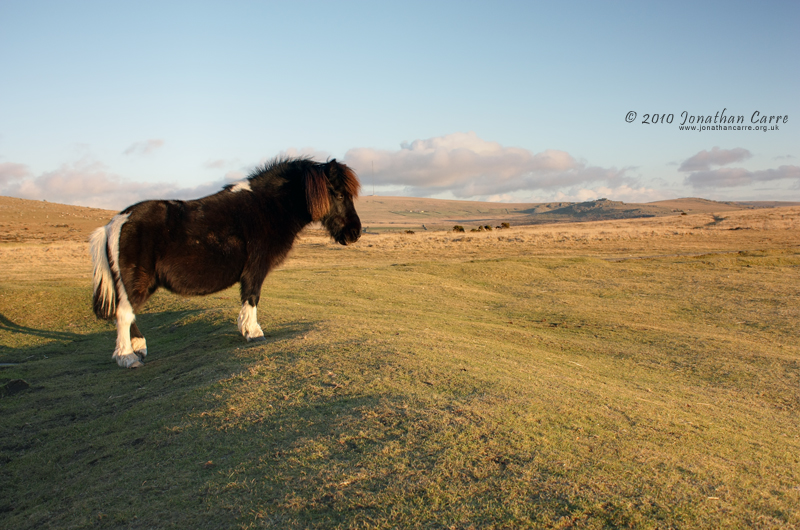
{"points": [[196, 275]]}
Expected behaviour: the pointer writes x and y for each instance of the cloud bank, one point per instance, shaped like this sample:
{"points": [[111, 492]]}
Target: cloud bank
{"points": [[470, 167], [460, 165], [702, 176], [703, 160], [88, 182], [10, 172], [734, 176]]}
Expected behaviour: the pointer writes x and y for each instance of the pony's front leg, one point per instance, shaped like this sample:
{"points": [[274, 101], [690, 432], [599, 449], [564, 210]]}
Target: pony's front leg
{"points": [[250, 291], [248, 321], [123, 353]]}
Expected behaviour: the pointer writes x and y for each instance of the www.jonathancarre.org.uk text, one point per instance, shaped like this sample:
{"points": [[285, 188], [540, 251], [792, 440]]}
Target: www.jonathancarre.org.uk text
{"points": [[719, 121]]}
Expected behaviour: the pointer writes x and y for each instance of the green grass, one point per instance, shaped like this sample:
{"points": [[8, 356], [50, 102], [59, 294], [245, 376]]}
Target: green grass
{"points": [[507, 393]]}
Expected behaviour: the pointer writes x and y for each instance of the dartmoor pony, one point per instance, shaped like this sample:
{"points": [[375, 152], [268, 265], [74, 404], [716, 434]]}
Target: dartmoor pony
{"points": [[203, 246]]}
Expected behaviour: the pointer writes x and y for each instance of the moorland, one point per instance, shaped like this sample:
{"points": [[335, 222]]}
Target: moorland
{"points": [[595, 365]]}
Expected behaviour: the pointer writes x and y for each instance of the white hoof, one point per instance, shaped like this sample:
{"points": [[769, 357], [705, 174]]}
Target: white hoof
{"points": [[127, 360], [248, 323]]}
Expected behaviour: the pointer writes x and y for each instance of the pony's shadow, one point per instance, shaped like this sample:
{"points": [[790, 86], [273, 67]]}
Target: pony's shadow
{"points": [[169, 334], [12, 327], [206, 329]]}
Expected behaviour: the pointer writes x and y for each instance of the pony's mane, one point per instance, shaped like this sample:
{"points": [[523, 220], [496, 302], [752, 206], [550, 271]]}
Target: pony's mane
{"points": [[316, 176], [277, 165], [349, 181]]}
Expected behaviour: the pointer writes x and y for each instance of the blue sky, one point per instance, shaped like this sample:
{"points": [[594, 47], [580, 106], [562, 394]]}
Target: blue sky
{"points": [[107, 103]]}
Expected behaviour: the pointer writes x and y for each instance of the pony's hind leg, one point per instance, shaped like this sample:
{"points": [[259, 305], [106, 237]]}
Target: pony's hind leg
{"points": [[123, 353], [138, 343], [141, 286]]}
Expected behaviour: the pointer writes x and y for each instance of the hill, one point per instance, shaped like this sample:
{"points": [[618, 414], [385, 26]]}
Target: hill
{"points": [[624, 373], [24, 220], [400, 213], [41, 221]]}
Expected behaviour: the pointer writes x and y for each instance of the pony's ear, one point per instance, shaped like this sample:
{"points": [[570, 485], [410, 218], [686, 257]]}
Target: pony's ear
{"points": [[343, 178], [317, 196]]}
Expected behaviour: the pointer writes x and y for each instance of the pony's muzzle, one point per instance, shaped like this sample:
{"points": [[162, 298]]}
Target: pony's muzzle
{"points": [[349, 235]]}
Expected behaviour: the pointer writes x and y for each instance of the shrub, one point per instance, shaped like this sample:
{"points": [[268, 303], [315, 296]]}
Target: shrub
{"points": [[458, 228], [505, 225]]}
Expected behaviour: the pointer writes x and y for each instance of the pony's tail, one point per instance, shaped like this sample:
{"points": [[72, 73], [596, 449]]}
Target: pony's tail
{"points": [[104, 299], [106, 275]]}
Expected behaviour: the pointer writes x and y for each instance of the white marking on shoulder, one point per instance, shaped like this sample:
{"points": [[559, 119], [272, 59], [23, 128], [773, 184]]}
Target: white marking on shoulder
{"points": [[241, 185]]}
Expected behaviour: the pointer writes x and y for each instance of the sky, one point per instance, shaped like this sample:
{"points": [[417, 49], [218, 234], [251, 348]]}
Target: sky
{"points": [[108, 103]]}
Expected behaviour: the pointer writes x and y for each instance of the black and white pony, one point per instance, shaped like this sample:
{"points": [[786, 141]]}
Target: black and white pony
{"points": [[203, 246]]}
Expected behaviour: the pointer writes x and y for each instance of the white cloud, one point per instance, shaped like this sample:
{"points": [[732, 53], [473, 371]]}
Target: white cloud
{"points": [[703, 160], [624, 193], [733, 177], [144, 148], [502, 197], [88, 182], [702, 176], [469, 167], [9, 171]]}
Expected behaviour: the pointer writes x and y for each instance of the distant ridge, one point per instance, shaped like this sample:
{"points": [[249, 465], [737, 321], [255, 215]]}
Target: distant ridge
{"points": [[389, 213], [697, 205], [23, 220]]}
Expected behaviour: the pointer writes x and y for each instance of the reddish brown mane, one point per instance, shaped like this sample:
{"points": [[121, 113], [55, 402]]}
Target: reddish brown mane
{"points": [[351, 183], [342, 178], [319, 201]]}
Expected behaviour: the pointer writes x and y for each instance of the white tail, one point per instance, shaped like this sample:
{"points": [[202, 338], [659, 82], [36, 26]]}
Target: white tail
{"points": [[107, 292], [105, 297]]}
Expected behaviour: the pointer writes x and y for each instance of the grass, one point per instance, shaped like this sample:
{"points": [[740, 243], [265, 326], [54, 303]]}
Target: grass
{"points": [[424, 383]]}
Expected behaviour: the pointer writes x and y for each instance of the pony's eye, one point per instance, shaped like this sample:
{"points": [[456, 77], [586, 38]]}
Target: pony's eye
{"points": [[340, 196]]}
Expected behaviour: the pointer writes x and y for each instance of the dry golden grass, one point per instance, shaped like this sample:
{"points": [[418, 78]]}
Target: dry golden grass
{"points": [[45, 222], [619, 374], [729, 231]]}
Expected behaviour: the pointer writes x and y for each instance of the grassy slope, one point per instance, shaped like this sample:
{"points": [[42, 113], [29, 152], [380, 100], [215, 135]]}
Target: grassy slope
{"points": [[464, 381]]}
